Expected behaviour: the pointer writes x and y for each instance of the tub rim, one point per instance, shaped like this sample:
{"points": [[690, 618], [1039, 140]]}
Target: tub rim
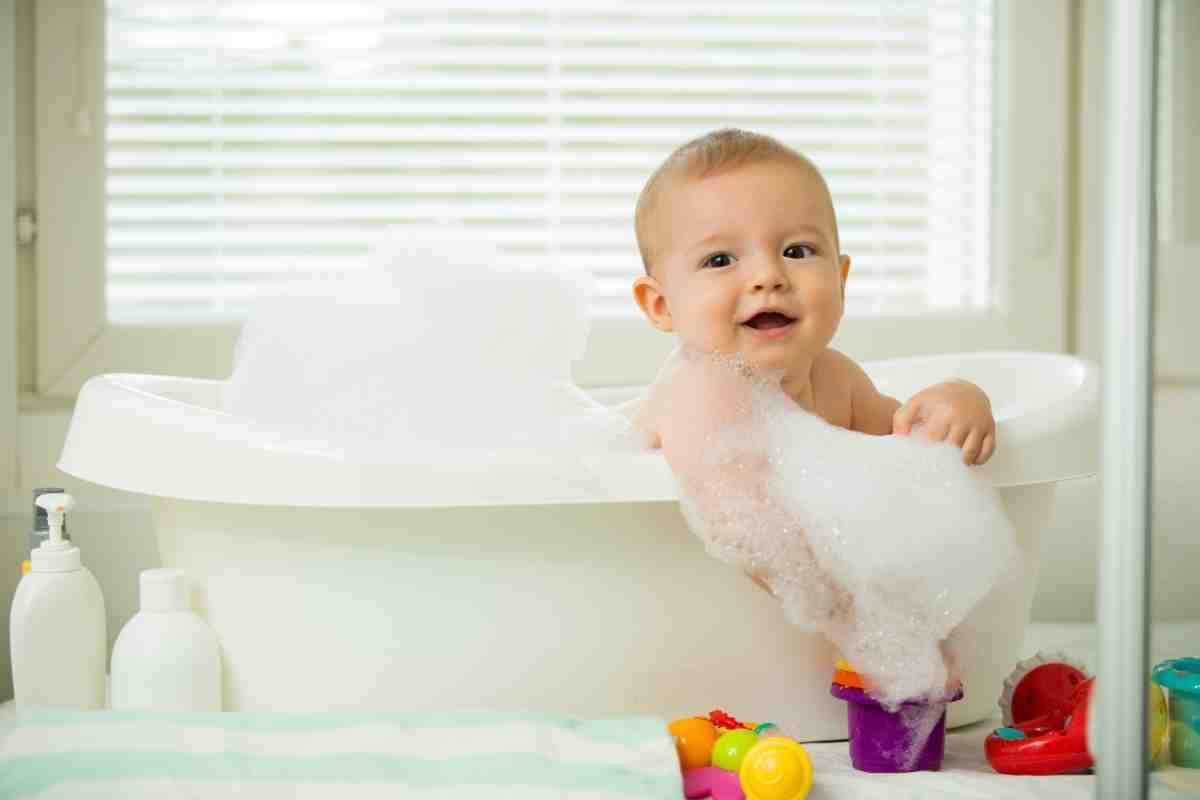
{"points": [[174, 441]]}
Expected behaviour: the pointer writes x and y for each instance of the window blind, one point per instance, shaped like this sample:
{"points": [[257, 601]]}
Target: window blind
{"points": [[247, 141]]}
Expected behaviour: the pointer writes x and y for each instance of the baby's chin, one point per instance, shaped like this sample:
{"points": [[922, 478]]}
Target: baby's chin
{"points": [[768, 358], [778, 359]]}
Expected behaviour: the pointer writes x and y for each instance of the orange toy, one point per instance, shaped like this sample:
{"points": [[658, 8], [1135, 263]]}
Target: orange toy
{"points": [[694, 740]]}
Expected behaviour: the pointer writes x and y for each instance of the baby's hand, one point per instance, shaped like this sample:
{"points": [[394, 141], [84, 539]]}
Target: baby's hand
{"points": [[955, 411]]}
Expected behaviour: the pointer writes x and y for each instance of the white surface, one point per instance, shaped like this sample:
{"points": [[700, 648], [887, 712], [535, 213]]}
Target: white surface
{"points": [[168, 437], [965, 772], [59, 639]]}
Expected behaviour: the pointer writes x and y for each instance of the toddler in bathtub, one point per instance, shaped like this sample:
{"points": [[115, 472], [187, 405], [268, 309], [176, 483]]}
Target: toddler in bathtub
{"points": [[739, 240]]}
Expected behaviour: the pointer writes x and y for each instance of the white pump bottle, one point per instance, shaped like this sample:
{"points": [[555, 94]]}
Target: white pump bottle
{"points": [[57, 626]]}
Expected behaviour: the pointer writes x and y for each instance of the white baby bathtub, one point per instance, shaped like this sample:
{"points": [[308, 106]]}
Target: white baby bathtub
{"points": [[522, 580]]}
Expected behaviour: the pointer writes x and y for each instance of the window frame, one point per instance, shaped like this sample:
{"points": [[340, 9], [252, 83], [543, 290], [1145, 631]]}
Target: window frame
{"points": [[8, 245], [1030, 226]]}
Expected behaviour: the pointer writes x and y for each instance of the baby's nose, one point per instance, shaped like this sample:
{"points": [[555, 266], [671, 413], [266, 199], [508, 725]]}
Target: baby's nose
{"points": [[776, 283], [769, 276]]}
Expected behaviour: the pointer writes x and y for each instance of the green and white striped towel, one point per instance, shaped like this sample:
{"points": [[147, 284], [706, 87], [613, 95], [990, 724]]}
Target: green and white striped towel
{"points": [[109, 754]]}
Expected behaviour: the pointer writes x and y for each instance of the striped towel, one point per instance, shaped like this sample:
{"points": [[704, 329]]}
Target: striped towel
{"points": [[110, 754]]}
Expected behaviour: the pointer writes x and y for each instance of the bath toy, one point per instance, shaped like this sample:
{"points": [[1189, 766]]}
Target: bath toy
{"points": [[1053, 743], [731, 749], [694, 740], [745, 762], [1038, 685], [1046, 705], [891, 741], [776, 768], [1181, 677], [727, 721]]}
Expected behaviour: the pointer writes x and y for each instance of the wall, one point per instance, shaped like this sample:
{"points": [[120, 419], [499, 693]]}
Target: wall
{"points": [[1070, 550]]}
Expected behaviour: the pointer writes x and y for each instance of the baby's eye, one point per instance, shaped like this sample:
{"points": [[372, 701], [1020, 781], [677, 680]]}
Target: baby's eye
{"points": [[718, 260], [799, 251]]}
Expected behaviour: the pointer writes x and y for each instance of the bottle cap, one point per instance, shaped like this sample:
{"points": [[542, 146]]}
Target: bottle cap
{"points": [[165, 590]]}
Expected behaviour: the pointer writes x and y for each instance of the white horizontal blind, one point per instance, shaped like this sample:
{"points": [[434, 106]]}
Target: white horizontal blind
{"points": [[246, 141]]}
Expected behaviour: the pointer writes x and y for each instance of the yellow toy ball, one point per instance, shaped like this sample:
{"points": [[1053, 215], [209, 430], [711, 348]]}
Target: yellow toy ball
{"points": [[694, 740], [776, 769]]}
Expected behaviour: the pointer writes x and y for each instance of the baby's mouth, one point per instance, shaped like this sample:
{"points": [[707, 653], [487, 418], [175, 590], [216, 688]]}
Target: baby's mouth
{"points": [[768, 320]]}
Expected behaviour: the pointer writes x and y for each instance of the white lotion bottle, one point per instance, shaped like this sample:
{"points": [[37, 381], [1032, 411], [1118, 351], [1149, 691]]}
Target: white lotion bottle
{"points": [[166, 658], [57, 629]]}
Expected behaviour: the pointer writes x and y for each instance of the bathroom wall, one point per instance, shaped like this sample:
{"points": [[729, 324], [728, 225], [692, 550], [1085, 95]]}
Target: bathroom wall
{"points": [[1070, 549]]}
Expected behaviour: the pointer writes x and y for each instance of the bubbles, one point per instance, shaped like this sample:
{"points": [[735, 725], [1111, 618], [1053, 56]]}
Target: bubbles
{"points": [[884, 544], [438, 344]]}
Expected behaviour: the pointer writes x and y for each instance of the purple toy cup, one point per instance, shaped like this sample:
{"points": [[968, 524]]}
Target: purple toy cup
{"points": [[910, 739]]}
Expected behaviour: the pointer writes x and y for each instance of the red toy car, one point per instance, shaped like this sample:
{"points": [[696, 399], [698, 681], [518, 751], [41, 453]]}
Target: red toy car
{"points": [[1053, 742]]}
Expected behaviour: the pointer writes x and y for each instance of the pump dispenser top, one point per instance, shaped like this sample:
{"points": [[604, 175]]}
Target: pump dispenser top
{"points": [[56, 554]]}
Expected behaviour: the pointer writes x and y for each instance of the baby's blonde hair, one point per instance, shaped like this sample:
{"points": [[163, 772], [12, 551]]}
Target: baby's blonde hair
{"points": [[706, 155]]}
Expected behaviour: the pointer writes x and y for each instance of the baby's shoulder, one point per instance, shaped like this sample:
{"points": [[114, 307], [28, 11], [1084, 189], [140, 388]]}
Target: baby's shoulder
{"points": [[833, 370]]}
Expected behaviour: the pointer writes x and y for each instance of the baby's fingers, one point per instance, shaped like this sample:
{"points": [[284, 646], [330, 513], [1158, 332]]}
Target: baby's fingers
{"points": [[937, 429], [972, 447], [905, 416], [989, 447], [958, 435]]}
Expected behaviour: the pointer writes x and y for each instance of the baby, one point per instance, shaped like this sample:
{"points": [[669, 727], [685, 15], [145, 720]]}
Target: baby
{"points": [[740, 244], [739, 240]]}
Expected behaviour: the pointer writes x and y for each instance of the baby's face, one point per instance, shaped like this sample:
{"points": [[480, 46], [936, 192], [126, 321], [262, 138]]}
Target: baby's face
{"points": [[746, 261]]}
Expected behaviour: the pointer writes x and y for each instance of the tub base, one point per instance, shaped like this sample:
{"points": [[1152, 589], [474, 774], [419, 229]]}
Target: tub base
{"points": [[578, 609]]}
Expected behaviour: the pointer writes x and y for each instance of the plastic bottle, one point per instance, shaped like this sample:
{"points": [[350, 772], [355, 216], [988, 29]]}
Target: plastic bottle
{"points": [[166, 658], [58, 637], [41, 527]]}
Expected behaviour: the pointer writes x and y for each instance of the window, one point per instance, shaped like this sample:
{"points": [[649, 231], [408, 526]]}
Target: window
{"points": [[245, 141], [248, 141]]}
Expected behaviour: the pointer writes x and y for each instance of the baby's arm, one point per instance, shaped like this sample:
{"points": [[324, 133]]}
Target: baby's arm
{"points": [[955, 411], [871, 411]]}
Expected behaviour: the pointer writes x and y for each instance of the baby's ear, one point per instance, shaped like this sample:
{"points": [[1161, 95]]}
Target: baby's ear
{"points": [[652, 301]]}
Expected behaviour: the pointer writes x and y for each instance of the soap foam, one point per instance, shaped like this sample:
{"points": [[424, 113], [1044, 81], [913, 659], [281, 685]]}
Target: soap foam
{"points": [[882, 543], [439, 343]]}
